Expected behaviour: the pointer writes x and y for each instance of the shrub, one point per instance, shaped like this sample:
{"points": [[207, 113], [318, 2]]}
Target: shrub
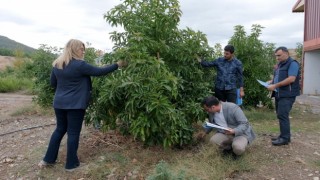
{"points": [[258, 59], [12, 84]]}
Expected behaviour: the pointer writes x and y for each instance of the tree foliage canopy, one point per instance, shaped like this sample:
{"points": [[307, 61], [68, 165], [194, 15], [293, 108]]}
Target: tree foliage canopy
{"points": [[156, 98], [258, 61]]}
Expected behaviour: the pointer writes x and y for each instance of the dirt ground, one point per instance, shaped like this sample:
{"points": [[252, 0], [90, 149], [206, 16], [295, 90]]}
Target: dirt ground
{"points": [[6, 61], [23, 139], [300, 160]]}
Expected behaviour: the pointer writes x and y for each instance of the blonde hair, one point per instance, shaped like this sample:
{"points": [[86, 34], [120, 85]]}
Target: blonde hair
{"points": [[68, 53]]}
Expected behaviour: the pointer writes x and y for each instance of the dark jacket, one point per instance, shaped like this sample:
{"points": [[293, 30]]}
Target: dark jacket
{"points": [[292, 89], [73, 83], [229, 73]]}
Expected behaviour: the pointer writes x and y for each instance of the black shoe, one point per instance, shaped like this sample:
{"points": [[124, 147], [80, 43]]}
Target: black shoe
{"points": [[234, 156], [226, 152], [276, 138], [229, 153], [280, 142]]}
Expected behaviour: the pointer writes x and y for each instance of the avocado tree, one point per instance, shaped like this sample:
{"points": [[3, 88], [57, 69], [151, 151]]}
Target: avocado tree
{"points": [[40, 68], [156, 98], [258, 60]]}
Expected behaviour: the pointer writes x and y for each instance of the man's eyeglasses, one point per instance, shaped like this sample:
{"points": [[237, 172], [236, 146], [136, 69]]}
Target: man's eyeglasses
{"points": [[278, 55]]}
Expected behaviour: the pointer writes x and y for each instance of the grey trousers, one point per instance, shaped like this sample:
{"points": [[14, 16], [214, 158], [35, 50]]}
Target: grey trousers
{"points": [[227, 142]]}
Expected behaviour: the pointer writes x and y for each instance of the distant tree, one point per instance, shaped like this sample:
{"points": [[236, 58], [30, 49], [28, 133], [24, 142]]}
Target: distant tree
{"points": [[6, 52], [258, 60], [90, 54], [299, 50], [19, 56], [40, 67]]}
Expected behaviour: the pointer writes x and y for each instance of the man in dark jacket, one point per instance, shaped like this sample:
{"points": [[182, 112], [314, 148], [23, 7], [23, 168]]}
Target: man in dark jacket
{"points": [[286, 87]]}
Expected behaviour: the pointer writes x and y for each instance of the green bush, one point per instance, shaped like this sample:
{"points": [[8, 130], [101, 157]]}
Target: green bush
{"points": [[40, 67], [156, 98], [12, 81], [12, 84], [6, 52], [258, 60]]}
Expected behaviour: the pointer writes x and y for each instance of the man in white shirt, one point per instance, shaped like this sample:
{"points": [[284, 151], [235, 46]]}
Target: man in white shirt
{"points": [[239, 132]]}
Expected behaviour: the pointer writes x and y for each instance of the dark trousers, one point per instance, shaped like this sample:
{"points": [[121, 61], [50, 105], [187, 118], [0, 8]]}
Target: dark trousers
{"points": [[283, 108], [68, 121], [226, 95]]}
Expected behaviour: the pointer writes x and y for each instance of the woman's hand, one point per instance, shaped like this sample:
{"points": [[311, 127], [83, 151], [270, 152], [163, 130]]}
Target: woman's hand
{"points": [[122, 63]]}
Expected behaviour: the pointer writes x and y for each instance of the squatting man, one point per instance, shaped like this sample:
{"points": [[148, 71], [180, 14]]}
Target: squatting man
{"points": [[239, 133]]}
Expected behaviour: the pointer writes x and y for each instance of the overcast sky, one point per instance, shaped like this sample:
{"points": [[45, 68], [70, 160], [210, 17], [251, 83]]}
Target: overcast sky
{"points": [[35, 22]]}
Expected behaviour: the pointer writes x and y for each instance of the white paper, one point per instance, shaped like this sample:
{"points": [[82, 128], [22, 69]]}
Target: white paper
{"points": [[265, 84], [216, 126]]}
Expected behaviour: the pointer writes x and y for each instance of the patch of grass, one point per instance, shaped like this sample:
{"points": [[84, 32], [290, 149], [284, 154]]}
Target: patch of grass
{"points": [[114, 157], [265, 120], [163, 172], [108, 164], [13, 84], [260, 115], [317, 163], [304, 120], [32, 109], [33, 157], [210, 164]]}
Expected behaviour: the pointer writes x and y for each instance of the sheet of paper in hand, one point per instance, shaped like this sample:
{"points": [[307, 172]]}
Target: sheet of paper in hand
{"points": [[216, 126], [265, 84]]}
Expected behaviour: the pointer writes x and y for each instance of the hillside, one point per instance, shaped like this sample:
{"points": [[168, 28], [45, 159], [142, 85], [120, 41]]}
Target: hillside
{"points": [[6, 43]]}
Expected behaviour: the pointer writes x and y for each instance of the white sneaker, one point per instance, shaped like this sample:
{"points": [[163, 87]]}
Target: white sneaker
{"points": [[71, 170], [81, 165], [43, 164]]}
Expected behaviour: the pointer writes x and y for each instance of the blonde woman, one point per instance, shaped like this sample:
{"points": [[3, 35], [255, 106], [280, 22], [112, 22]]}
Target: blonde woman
{"points": [[70, 77]]}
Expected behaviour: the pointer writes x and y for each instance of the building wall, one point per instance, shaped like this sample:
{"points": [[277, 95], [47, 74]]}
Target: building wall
{"points": [[311, 47], [311, 76], [312, 19], [312, 25]]}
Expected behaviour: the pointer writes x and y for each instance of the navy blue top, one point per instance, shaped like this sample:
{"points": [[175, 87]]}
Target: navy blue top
{"points": [[283, 71], [73, 83], [229, 73], [292, 71]]}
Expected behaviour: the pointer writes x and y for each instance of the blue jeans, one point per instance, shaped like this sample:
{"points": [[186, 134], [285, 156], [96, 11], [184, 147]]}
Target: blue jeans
{"points": [[283, 108], [226, 95], [68, 121]]}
